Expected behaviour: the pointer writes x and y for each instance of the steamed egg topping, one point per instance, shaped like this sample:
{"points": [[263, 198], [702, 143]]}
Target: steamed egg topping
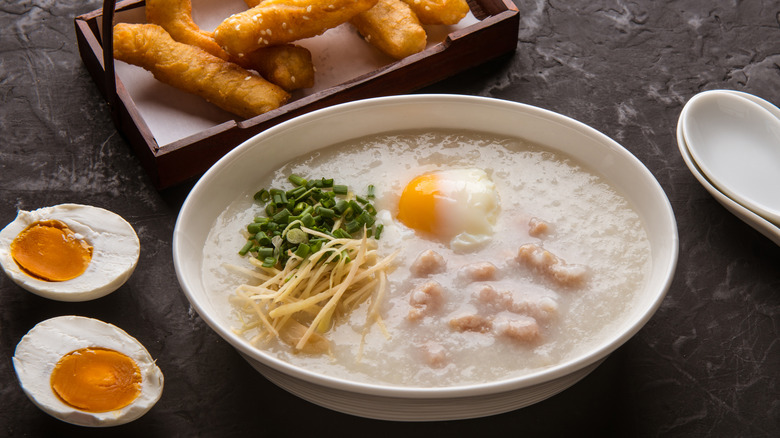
{"points": [[459, 206], [50, 251]]}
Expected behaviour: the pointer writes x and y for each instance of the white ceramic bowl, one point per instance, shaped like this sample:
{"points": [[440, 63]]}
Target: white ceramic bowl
{"points": [[250, 162]]}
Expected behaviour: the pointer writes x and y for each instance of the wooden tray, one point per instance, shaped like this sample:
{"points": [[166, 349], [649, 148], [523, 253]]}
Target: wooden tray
{"points": [[494, 34]]}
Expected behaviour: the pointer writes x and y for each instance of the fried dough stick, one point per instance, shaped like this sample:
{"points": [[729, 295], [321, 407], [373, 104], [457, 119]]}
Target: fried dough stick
{"points": [[392, 27], [191, 69], [439, 11], [288, 66], [175, 16], [276, 22]]}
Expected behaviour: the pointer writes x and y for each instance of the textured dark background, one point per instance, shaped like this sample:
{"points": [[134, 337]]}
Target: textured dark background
{"points": [[707, 364]]}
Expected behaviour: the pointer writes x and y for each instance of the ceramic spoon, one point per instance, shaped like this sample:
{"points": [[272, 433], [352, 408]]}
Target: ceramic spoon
{"points": [[763, 226], [736, 143]]}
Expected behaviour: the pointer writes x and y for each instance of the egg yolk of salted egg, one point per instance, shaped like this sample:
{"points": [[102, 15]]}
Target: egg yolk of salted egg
{"points": [[50, 251], [96, 380], [457, 204]]}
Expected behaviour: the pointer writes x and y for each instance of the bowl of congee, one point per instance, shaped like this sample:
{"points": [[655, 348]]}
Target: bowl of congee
{"points": [[426, 257]]}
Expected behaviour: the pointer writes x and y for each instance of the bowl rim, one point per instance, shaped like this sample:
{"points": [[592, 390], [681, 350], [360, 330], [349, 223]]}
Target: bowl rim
{"points": [[530, 379]]}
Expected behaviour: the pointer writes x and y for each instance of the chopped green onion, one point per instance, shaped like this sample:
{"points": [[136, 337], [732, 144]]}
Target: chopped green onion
{"points": [[307, 220], [341, 206], [265, 252], [262, 196], [356, 207], [353, 226], [297, 180], [316, 245], [341, 234], [245, 249], [295, 193], [281, 216], [378, 232], [300, 208], [328, 202], [262, 238], [303, 250], [326, 212], [269, 262], [296, 236], [318, 204], [366, 218]]}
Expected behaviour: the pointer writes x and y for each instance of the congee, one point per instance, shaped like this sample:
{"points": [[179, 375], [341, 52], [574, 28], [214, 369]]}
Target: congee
{"points": [[462, 258]]}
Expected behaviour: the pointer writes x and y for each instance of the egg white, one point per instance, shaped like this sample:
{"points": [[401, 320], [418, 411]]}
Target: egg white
{"points": [[42, 347], [116, 249], [470, 205]]}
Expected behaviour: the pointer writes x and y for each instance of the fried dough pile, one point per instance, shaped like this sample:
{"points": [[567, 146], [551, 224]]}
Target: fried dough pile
{"points": [[248, 65]]}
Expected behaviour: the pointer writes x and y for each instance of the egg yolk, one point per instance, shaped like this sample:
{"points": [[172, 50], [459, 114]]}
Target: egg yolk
{"points": [[96, 379], [50, 251], [417, 206]]}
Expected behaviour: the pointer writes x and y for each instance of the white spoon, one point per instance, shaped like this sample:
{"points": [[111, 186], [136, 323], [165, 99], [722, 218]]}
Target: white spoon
{"points": [[763, 226], [736, 143]]}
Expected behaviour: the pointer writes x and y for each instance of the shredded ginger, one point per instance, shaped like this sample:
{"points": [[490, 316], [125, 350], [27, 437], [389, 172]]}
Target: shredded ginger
{"points": [[300, 302]]}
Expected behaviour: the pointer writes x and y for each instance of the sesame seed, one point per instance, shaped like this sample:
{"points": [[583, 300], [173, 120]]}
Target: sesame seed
{"points": [[248, 78], [269, 32], [292, 79], [308, 9], [284, 25], [305, 17]]}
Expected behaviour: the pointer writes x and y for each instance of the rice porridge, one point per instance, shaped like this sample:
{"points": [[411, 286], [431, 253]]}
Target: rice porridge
{"points": [[528, 259]]}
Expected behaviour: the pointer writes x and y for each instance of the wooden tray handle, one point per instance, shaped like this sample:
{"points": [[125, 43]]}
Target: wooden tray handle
{"points": [[108, 56]]}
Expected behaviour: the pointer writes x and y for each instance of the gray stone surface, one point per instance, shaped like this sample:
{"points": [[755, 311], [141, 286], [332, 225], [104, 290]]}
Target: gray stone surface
{"points": [[707, 364]]}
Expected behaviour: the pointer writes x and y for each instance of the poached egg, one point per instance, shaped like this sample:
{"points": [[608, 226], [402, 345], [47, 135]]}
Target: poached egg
{"points": [[457, 206]]}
